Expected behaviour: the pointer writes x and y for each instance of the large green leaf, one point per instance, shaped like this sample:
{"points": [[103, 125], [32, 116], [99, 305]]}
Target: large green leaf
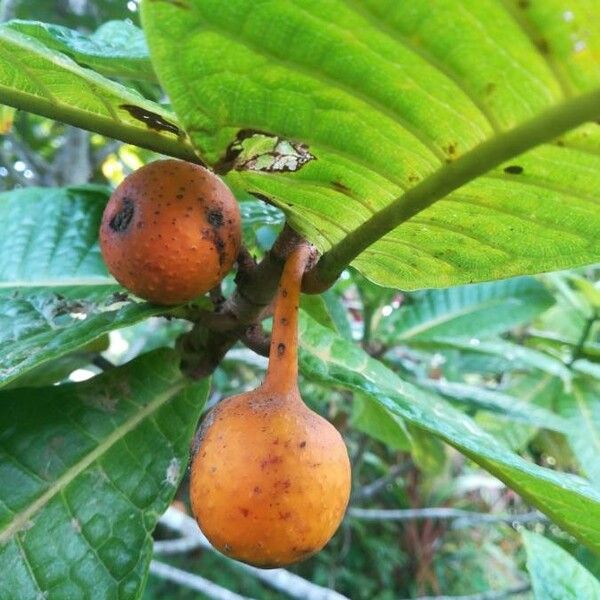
{"points": [[556, 574], [39, 79], [472, 311], [581, 406], [55, 293], [85, 472], [391, 106], [50, 237], [568, 500], [116, 49]]}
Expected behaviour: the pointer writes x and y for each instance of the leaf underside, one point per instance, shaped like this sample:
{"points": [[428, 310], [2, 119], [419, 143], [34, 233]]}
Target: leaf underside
{"points": [[388, 95]]}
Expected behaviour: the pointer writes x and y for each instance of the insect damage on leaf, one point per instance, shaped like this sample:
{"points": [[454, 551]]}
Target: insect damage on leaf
{"points": [[257, 151], [151, 119]]}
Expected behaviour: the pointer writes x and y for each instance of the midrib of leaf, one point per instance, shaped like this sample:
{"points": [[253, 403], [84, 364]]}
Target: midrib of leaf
{"points": [[53, 108], [541, 129], [21, 519]]}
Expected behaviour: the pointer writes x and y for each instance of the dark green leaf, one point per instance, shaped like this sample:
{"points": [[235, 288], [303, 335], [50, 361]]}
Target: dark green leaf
{"points": [[42, 80], [85, 472], [116, 49]]}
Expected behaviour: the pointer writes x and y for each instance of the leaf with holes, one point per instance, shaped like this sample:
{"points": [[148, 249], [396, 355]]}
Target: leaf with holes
{"points": [[85, 471], [42, 80], [425, 142], [570, 501]]}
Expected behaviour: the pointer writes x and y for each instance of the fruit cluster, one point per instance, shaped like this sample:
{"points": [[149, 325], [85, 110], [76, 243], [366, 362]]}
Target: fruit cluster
{"points": [[270, 478]]}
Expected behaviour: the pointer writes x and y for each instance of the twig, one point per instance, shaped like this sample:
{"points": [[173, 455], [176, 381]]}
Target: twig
{"points": [[257, 339], [102, 363], [368, 491], [194, 582], [462, 516], [279, 579], [215, 333], [499, 595]]}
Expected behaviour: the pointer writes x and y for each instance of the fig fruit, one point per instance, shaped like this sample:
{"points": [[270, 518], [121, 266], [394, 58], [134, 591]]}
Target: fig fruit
{"points": [[270, 479], [170, 232]]}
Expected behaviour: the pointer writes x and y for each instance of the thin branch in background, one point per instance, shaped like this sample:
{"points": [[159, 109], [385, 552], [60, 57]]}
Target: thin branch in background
{"points": [[462, 517], [498, 595], [194, 582], [102, 363], [372, 489], [292, 585]]}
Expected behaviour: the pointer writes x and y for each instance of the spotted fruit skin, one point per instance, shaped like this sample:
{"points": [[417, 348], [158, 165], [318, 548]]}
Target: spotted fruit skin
{"points": [[170, 232], [270, 480]]}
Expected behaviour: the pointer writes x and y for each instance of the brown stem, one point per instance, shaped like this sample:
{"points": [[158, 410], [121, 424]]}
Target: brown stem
{"points": [[282, 374]]}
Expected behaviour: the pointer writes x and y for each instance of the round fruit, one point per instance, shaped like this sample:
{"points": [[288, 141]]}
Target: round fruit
{"points": [[170, 232], [270, 479]]}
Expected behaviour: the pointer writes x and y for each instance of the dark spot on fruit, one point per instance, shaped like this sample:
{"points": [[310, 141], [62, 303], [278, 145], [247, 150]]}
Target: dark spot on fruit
{"points": [[179, 196], [284, 516], [284, 293], [120, 222], [513, 170], [257, 490], [302, 444], [215, 218], [270, 460], [280, 349], [244, 511], [283, 321]]}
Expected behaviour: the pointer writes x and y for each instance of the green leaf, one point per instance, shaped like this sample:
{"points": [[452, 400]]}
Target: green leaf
{"points": [[519, 357], [56, 296], [471, 311], [50, 237], [317, 308], [568, 500], [116, 49], [38, 79], [41, 325], [537, 390], [509, 404], [376, 421], [85, 472], [401, 137], [581, 406], [555, 574]]}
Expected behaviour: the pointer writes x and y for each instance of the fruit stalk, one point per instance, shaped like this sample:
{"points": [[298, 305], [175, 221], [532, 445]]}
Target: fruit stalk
{"points": [[282, 373]]}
